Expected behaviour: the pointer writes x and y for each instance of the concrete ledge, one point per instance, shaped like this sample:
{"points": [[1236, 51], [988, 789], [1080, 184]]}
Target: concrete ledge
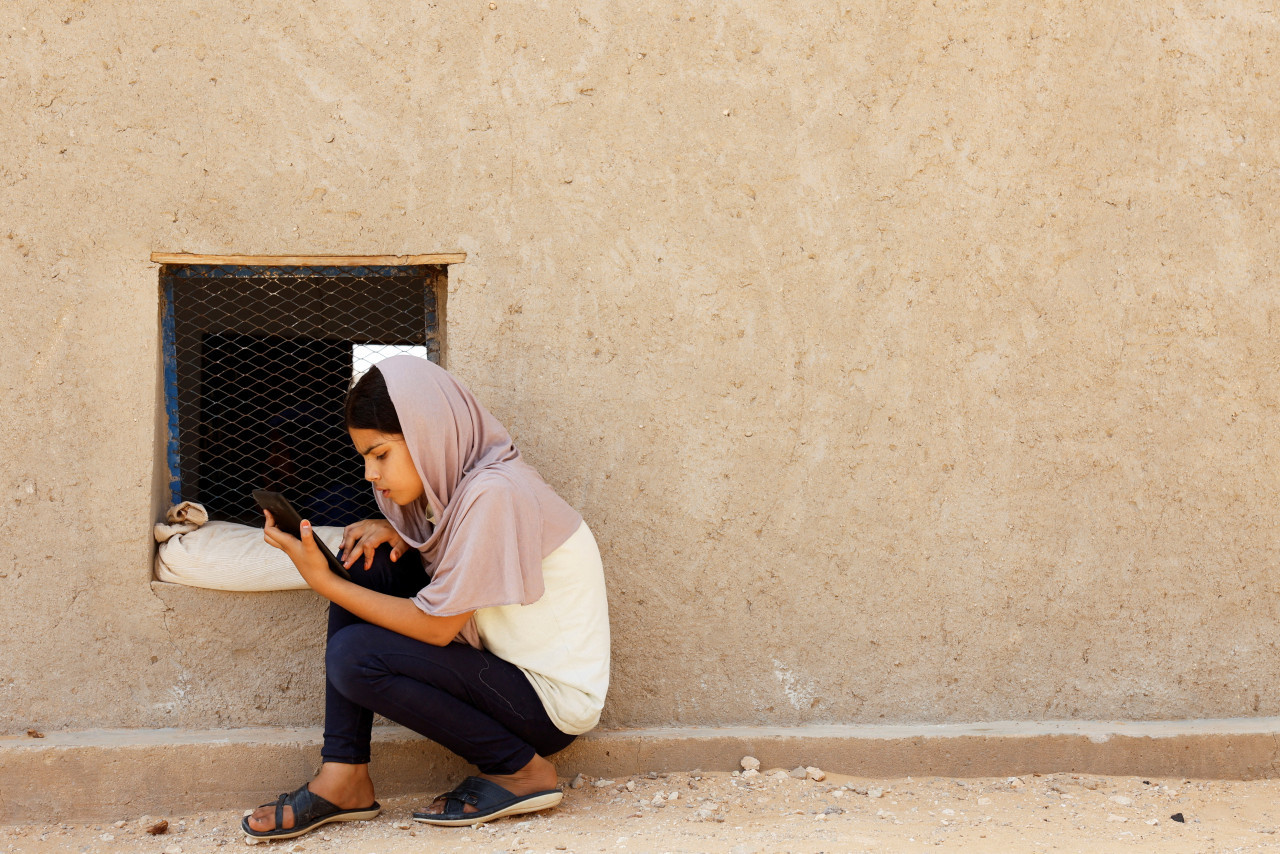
{"points": [[108, 774]]}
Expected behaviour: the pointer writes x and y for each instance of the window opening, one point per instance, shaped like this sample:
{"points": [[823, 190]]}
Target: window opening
{"points": [[258, 360]]}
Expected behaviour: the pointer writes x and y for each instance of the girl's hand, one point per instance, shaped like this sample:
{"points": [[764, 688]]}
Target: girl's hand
{"points": [[304, 553], [363, 538]]}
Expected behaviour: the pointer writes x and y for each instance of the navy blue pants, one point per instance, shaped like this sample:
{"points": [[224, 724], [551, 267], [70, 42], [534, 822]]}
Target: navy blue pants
{"points": [[468, 700]]}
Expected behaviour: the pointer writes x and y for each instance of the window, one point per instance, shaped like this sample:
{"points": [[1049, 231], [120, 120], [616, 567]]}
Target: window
{"points": [[258, 358]]}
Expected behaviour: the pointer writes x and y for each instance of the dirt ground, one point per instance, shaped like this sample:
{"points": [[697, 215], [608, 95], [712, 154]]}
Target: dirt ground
{"points": [[769, 811]]}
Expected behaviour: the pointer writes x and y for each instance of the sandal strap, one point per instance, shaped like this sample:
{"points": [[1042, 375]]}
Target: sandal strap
{"points": [[454, 801], [306, 805], [472, 791], [482, 789]]}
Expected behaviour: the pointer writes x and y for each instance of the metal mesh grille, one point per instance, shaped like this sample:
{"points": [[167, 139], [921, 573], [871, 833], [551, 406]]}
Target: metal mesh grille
{"points": [[258, 361]]}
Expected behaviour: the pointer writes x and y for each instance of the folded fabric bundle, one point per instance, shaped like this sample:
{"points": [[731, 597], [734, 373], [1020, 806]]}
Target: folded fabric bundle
{"points": [[181, 519], [224, 555]]}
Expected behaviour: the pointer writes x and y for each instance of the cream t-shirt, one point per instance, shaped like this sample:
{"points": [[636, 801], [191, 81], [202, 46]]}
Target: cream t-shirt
{"points": [[561, 641]]}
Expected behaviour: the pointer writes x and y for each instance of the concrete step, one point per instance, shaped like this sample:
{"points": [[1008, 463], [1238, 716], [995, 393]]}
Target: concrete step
{"points": [[101, 775]]}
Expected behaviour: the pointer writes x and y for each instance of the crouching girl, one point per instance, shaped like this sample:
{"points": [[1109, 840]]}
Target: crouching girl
{"points": [[475, 614]]}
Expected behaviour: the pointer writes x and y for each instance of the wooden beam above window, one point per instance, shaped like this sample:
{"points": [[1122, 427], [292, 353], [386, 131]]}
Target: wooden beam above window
{"points": [[308, 260]]}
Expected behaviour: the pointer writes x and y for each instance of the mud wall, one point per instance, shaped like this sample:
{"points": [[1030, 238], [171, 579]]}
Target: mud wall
{"points": [[911, 362]]}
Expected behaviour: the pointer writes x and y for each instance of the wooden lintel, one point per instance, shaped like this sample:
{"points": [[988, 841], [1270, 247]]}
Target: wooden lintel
{"points": [[308, 260]]}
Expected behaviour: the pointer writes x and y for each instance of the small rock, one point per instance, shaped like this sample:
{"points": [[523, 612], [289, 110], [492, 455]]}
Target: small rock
{"points": [[173, 849], [1121, 800], [1114, 817], [750, 763], [1015, 782], [631, 785], [578, 782], [820, 817], [600, 784], [326, 837], [402, 825], [107, 837], [1178, 818], [34, 733], [817, 775], [155, 828], [750, 773], [799, 772], [251, 840], [674, 796], [833, 811], [120, 823], [875, 792], [983, 802], [659, 800], [705, 814], [296, 847], [1153, 821]]}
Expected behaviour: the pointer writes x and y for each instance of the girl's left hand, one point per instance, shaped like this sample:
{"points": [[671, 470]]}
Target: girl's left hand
{"points": [[304, 553]]}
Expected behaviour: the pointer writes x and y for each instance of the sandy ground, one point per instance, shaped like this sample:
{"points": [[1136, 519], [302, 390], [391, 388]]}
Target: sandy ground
{"points": [[771, 812]]}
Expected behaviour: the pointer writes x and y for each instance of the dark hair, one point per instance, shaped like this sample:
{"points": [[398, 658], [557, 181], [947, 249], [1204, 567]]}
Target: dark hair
{"points": [[369, 405]]}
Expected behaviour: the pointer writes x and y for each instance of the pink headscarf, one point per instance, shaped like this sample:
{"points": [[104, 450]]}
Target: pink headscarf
{"points": [[486, 518]]}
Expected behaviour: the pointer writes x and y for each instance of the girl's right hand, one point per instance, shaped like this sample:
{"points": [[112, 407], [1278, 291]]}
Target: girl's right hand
{"points": [[363, 538]]}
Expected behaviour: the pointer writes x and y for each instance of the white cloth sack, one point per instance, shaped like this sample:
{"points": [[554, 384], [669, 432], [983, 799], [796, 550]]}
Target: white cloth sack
{"points": [[223, 555]]}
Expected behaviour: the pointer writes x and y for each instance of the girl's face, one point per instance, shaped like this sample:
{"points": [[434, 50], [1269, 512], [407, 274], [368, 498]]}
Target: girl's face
{"points": [[387, 465]]}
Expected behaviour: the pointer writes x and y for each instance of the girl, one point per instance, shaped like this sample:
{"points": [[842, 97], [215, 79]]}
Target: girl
{"points": [[478, 618]]}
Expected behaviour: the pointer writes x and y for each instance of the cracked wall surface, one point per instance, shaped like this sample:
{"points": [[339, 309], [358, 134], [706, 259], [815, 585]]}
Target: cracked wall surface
{"points": [[911, 363]]}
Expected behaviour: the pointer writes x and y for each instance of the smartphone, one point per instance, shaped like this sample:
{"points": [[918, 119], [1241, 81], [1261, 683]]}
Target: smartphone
{"points": [[288, 520]]}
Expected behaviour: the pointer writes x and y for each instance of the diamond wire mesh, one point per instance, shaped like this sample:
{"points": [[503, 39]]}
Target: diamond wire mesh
{"points": [[259, 360]]}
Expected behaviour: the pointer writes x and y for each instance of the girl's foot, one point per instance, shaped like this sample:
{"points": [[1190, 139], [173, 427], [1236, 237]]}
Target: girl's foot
{"points": [[345, 786], [538, 776]]}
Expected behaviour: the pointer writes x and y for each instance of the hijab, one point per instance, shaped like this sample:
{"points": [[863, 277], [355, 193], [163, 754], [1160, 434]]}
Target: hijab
{"points": [[486, 518]]}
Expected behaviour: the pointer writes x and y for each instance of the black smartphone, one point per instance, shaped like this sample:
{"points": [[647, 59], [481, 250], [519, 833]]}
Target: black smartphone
{"points": [[288, 520]]}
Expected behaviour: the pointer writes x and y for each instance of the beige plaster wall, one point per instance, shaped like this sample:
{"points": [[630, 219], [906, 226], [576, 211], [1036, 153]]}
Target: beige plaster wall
{"points": [[911, 361]]}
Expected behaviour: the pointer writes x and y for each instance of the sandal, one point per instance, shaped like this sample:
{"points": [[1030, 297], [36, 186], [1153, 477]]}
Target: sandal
{"points": [[309, 812], [490, 800]]}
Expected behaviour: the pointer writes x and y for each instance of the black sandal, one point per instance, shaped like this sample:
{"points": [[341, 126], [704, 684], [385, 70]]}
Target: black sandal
{"points": [[490, 800], [309, 812]]}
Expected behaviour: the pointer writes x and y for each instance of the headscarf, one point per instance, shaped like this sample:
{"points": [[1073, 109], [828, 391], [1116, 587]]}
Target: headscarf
{"points": [[486, 518]]}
